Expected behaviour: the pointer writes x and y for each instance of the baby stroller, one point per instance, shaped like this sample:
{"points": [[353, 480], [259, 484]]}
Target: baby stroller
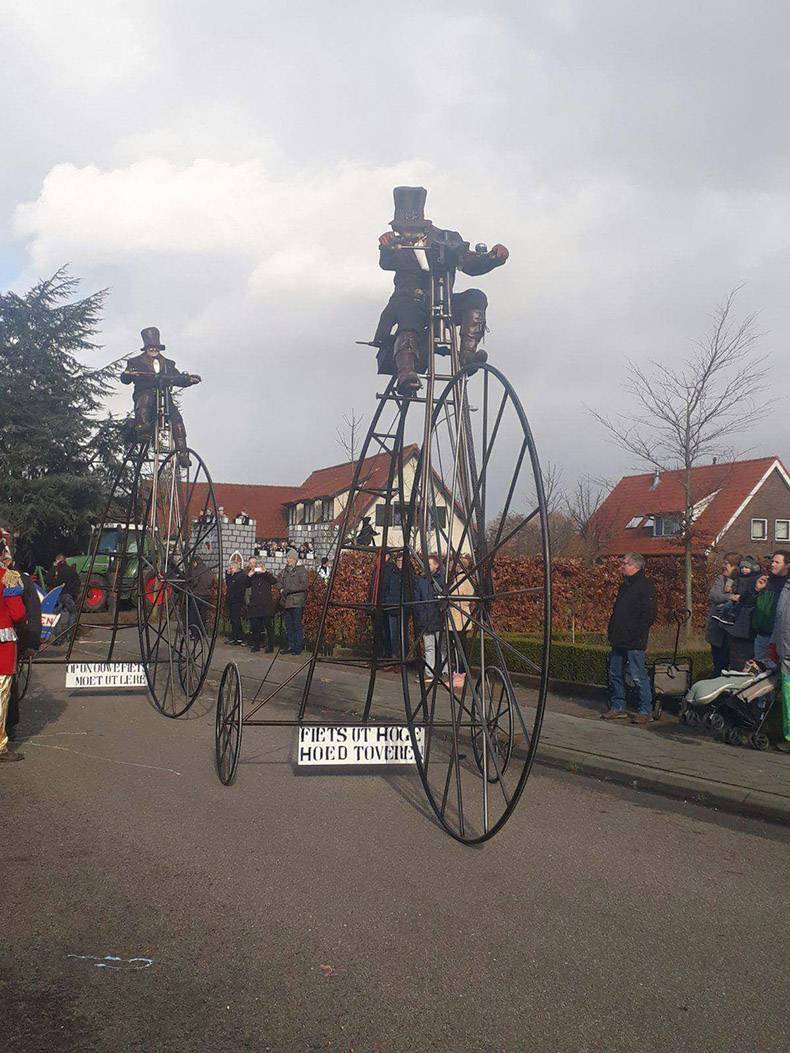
{"points": [[734, 705]]}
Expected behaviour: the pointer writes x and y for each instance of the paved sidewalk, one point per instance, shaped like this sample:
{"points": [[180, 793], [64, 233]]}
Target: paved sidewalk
{"points": [[664, 757], [668, 758]]}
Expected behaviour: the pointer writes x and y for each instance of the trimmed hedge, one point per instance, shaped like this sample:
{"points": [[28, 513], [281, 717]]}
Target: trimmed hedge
{"points": [[580, 663]]}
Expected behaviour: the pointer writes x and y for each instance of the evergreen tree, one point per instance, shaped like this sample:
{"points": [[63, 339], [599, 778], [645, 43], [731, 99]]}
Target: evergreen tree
{"points": [[56, 451]]}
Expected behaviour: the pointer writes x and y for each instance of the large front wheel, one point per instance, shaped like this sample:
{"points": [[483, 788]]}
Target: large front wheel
{"points": [[476, 501], [178, 582]]}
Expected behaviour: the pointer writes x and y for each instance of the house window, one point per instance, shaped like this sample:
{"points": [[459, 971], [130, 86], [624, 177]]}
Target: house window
{"points": [[395, 515], [633, 523], [782, 529], [326, 510], [291, 514], [439, 517], [759, 529], [666, 526]]}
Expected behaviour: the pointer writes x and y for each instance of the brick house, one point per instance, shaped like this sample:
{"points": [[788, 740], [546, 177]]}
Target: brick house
{"points": [[741, 506]]}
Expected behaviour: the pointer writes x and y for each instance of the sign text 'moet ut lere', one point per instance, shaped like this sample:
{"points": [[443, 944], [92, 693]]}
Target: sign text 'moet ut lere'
{"points": [[364, 745], [105, 674]]}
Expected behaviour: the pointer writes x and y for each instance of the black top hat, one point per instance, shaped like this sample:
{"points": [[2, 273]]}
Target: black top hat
{"points": [[410, 208], [151, 339]]}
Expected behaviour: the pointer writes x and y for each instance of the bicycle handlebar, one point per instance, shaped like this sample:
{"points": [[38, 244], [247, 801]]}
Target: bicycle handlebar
{"points": [[164, 380]]}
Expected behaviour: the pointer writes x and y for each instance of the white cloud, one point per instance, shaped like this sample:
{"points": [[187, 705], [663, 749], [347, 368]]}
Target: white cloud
{"points": [[95, 45], [227, 173], [311, 227]]}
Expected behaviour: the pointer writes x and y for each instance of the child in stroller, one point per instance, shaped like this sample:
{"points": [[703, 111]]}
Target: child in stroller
{"points": [[735, 705]]}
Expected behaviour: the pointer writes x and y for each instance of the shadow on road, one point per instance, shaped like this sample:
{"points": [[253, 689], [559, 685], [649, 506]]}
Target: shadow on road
{"points": [[37, 710]]}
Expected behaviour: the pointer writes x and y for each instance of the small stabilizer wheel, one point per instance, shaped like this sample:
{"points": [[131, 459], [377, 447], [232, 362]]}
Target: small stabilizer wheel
{"points": [[22, 678], [229, 724], [497, 698]]}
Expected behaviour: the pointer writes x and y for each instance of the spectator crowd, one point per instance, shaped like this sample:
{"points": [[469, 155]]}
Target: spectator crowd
{"points": [[747, 628]]}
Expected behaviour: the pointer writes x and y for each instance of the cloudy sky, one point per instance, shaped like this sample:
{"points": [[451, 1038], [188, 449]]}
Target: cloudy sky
{"points": [[226, 169]]}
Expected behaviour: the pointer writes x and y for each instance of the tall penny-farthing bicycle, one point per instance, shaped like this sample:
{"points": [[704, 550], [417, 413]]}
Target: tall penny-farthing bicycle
{"points": [[454, 480], [156, 550]]}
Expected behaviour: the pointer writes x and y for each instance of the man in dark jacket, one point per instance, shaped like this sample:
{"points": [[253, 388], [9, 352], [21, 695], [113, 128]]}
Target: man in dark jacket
{"points": [[768, 588], [65, 574], [260, 606], [235, 587], [293, 596], [200, 581], [143, 371], [391, 600], [629, 627], [412, 249]]}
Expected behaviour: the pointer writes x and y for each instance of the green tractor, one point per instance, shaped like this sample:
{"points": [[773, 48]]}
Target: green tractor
{"points": [[109, 563]]}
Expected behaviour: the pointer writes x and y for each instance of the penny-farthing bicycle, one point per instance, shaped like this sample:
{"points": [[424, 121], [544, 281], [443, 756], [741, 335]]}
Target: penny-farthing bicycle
{"points": [[453, 473], [164, 560]]}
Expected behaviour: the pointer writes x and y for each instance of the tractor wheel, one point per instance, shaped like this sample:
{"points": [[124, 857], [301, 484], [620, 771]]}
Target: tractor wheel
{"points": [[97, 596]]}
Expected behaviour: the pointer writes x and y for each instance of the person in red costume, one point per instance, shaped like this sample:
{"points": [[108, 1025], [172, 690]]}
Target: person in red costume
{"points": [[12, 613]]}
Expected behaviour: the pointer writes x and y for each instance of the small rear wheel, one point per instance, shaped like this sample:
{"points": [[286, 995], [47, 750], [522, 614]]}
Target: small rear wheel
{"points": [[229, 723], [22, 678], [760, 741], [498, 702], [716, 721]]}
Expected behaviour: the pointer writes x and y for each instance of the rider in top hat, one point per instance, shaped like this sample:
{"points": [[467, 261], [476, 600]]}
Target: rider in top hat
{"points": [[410, 249], [142, 371]]}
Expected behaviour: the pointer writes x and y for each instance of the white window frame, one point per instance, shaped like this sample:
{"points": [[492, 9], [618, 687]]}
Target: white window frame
{"points": [[786, 536], [674, 518], [764, 535], [633, 522]]}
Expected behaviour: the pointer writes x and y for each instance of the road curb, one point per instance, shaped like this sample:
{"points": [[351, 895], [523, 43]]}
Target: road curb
{"points": [[736, 800]]}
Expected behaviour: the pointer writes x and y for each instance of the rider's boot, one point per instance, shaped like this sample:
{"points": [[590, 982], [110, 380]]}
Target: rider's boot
{"points": [[473, 327], [180, 440], [406, 354], [144, 415]]}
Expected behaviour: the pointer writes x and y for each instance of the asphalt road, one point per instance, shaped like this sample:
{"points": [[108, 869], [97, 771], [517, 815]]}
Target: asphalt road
{"points": [[303, 912]]}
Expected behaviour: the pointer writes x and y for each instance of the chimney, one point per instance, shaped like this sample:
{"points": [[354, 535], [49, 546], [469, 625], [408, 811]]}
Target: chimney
{"points": [[656, 480], [715, 459]]}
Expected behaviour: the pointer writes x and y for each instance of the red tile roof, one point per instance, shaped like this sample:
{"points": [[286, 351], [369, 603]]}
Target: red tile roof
{"points": [[329, 482], [264, 504], [727, 485], [267, 504]]}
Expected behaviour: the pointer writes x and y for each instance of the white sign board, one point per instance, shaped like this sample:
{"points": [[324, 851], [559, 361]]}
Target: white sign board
{"points": [[351, 746], [105, 674]]}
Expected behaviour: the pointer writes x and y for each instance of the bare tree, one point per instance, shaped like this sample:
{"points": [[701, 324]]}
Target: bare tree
{"points": [[687, 414], [349, 434], [593, 532], [527, 541]]}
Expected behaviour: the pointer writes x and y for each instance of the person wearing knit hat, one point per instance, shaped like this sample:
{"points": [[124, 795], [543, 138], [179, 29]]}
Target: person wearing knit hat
{"points": [[293, 593]]}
